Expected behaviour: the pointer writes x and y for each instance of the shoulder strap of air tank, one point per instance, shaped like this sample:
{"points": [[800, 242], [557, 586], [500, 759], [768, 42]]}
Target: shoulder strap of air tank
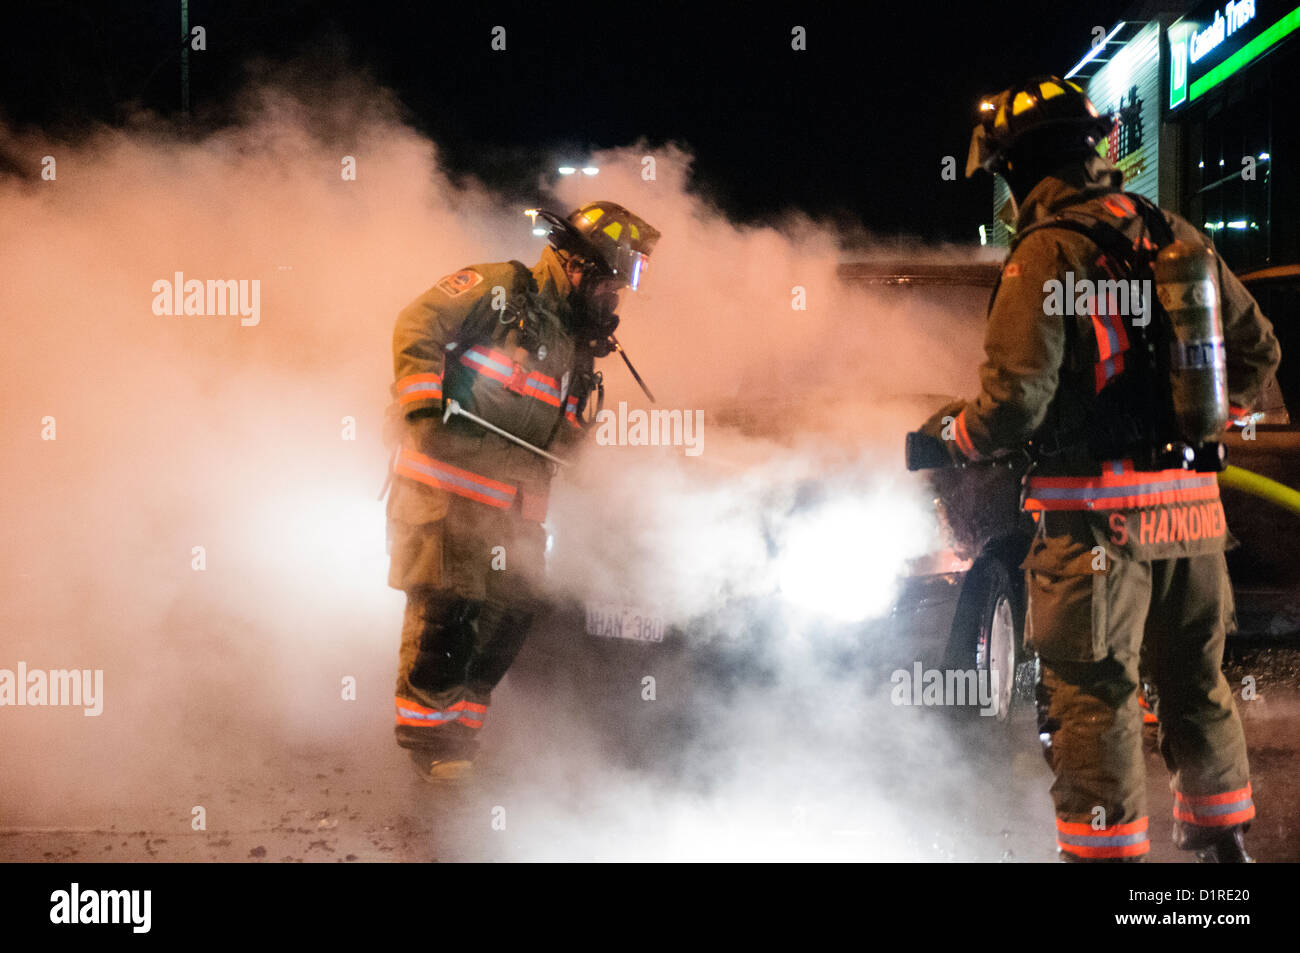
{"points": [[1154, 219], [481, 323], [1113, 243], [1105, 236], [1109, 238]]}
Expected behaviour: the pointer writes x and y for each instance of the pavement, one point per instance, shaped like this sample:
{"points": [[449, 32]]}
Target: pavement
{"points": [[562, 780]]}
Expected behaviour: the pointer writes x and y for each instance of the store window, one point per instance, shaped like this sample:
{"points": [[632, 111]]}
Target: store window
{"points": [[1240, 165], [1230, 172]]}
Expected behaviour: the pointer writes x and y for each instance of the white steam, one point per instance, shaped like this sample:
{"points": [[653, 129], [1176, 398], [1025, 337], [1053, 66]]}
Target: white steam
{"points": [[204, 525]]}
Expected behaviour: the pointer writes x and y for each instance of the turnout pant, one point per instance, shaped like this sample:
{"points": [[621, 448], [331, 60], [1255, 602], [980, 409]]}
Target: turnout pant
{"points": [[470, 580], [1089, 627]]}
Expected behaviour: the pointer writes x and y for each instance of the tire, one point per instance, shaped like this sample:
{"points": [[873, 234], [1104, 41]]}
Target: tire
{"points": [[987, 635]]}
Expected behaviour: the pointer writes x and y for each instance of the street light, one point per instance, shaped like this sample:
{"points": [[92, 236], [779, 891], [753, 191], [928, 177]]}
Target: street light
{"points": [[538, 230]]}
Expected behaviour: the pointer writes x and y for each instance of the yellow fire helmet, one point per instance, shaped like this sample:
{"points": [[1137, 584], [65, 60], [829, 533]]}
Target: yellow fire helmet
{"points": [[615, 242], [1043, 102]]}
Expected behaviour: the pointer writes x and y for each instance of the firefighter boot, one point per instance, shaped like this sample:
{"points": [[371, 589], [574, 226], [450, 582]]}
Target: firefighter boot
{"points": [[1213, 846], [1229, 849], [430, 766]]}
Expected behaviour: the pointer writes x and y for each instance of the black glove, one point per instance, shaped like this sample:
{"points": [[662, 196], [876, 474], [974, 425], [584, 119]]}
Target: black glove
{"points": [[926, 448], [927, 453]]}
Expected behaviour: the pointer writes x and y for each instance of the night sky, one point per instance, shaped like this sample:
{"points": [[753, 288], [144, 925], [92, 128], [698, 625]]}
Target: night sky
{"points": [[854, 128]]}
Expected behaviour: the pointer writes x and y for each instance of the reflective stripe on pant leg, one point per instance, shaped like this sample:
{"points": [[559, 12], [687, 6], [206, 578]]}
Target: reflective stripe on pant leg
{"points": [[1121, 840], [470, 714], [1215, 810]]}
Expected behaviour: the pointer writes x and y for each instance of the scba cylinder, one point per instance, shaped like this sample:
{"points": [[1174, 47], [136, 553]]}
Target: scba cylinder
{"points": [[1188, 289]]}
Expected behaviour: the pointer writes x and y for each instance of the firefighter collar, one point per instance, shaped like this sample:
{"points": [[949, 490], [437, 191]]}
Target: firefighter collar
{"points": [[1069, 186]]}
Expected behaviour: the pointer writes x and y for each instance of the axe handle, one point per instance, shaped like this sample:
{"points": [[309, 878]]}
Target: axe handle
{"points": [[454, 409]]}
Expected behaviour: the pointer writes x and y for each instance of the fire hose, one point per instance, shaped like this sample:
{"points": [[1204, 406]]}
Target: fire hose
{"points": [[1247, 481]]}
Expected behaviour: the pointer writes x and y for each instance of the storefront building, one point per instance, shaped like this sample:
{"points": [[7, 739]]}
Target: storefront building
{"points": [[1232, 76], [1207, 120]]}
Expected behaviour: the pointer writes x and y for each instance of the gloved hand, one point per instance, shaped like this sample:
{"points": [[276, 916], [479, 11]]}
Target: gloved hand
{"points": [[932, 445]]}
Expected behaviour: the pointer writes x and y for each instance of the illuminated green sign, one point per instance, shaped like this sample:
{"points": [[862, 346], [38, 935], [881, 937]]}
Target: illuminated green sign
{"points": [[1178, 70], [1274, 34], [1211, 44]]}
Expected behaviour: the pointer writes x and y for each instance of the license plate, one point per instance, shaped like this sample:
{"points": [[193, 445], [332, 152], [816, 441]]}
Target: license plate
{"points": [[624, 622]]}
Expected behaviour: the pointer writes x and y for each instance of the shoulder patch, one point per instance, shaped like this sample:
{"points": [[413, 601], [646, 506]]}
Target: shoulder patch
{"points": [[459, 283], [1012, 270]]}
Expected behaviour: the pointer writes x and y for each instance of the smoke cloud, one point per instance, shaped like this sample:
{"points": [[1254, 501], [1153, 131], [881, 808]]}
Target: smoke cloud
{"points": [[191, 503]]}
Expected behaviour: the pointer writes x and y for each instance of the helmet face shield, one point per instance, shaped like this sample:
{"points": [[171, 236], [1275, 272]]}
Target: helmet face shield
{"points": [[617, 239], [631, 267]]}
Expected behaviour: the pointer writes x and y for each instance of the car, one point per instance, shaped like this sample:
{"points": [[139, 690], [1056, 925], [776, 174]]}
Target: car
{"points": [[951, 610], [960, 607]]}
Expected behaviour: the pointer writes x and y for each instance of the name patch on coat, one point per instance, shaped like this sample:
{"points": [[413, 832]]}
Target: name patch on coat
{"points": [[459, 283], [1185, 523]]}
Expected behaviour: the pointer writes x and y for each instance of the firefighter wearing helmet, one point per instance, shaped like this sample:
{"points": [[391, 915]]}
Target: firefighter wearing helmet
{"points": [[514, 348], [1121, 408]]}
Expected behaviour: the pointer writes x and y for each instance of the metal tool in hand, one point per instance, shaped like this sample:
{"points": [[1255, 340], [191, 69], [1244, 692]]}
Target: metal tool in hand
{"points": [[454, 409], [623, 354]]}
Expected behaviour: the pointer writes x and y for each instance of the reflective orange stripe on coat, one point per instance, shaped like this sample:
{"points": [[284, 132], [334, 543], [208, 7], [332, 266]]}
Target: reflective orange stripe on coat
{"points": [[1215, 810], [1119, 487], [500, 367], [446, 477], [469, 714], [1121, 840], [415, 387], [1112, 339], [1119, 205]]}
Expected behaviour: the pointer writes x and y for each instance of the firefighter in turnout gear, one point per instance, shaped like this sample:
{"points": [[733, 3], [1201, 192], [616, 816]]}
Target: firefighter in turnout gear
{"points": [[515, 347], [1128, 556]]}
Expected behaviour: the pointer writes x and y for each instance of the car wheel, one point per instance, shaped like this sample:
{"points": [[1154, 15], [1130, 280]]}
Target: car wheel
{"points": [[986, 635], [996, 653]]}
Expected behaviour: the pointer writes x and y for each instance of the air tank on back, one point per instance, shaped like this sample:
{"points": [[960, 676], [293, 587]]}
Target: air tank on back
{"points": [[1188, 289]]}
